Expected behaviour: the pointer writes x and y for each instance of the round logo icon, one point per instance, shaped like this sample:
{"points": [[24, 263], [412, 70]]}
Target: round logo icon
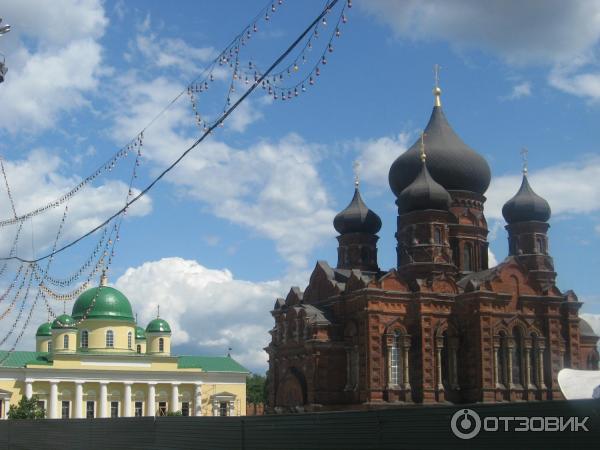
{"points": [[465, 424]]}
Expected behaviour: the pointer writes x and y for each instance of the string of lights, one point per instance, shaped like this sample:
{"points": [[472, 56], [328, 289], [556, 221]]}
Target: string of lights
{"points": [[177, 161], [103, 253]]}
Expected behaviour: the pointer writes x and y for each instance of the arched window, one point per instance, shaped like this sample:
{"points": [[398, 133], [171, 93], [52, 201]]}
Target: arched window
{"points": [[129, 340], [110, 339], [84, 339], [139, 348], [503, 360], [517, 356], [533, 361], [49, 346], [540, 245], [161, 345], [437, 235], [66, 341], [468, 257], [395, 359]]}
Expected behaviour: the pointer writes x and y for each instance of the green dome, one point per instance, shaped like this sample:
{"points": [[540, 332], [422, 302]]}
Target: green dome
{"points": [[158, 326], [140, 335], [110, 304], [44, 329], [63, 321]]}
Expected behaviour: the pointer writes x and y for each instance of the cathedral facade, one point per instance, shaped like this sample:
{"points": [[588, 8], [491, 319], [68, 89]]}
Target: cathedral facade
{"points": [[442, 326]]}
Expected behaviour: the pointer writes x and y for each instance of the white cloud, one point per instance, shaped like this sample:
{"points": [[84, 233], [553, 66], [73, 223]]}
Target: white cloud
{"points": [[520, 32], [54, 59], [377, 155], [273, 188], [209, 310], [561, 35], [555, 184], [519, 91], [586, 85], [173, 52], [37, 180], [492, 261]]}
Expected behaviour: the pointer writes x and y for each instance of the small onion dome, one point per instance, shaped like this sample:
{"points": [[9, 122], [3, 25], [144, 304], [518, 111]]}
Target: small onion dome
{"points": [[103, 302], [424, 193], [140, 334], [357, 218], [526, 206], [44, 329], [63, 321], [450, 161], [158, 326]]}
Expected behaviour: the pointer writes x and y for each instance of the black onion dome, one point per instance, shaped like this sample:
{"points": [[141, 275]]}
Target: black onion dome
{"points": [[450, 161], [424, 193], [526, 206], [357, 218]]}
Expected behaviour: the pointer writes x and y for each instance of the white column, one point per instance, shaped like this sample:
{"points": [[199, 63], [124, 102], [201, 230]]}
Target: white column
{"points": [[78, 404], [198, 400], [53, 403], [127, 400], [151, 402], [103, 399], [28, 389], [174, 403]]}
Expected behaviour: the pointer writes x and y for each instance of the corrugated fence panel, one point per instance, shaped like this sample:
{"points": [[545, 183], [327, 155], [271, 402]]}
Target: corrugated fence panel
{"points": [[410, 427], [214, 433]]}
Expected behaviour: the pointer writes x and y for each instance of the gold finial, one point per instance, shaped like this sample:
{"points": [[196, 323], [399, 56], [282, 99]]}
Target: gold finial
{"points": [[356, 167], [524, 153], [103, 278], [423, 155], [437, 92]]}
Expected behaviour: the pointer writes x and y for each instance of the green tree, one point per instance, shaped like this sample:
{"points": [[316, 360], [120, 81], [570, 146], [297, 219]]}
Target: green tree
{"points": [[256, 389], [26, 409]]}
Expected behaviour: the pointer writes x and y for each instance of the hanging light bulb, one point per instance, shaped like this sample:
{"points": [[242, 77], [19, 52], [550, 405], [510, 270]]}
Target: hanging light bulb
{"points": [[280, 2], [273, 7], [323, 60], [295, 92], [303, 88], [344, 18], [311, 80], [337, 32], [317, 72], [324, 22], [255, 28], [349, 3], [212, 77], [296, 68], [330, 48], [267, 16]]}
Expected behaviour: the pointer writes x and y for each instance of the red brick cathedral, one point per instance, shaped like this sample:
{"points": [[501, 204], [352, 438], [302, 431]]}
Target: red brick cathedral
{"points": [[442, 326]]}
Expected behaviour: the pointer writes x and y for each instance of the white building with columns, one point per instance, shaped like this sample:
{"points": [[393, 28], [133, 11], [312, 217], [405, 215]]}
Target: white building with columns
{"points": [[97, 362]]}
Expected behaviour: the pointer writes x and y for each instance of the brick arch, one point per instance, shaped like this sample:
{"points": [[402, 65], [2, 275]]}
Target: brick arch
{"points": [[292, 389], [396, 325]]}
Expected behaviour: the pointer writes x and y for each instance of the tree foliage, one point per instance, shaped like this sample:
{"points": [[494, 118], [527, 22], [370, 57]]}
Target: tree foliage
{"points": [[26, 409], [256, 389]]}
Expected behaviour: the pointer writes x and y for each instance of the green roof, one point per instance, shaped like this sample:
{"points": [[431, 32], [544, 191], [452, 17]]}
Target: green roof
{"points": [[44, 329], [103, 302], [158, 326], [21, 359], [211, 364], [140, 334], [63, 321]]}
